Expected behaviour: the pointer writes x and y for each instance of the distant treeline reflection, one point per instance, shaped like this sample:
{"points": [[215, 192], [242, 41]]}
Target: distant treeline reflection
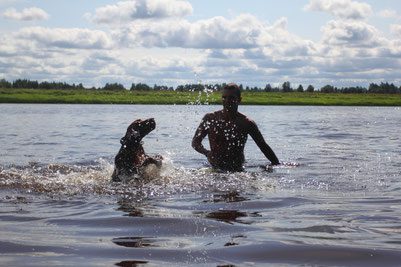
{"points": [[382, 88]]}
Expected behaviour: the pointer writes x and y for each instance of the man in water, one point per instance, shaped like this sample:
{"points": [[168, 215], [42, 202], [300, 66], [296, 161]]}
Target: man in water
{"points": [[228, 131]]}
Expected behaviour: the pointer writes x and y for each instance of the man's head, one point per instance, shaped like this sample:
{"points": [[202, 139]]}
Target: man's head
{"points": [[231, 96], [138, 130]]}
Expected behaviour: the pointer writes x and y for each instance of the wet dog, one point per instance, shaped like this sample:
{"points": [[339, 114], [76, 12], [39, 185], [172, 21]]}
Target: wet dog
{"points": [[131, 158]]}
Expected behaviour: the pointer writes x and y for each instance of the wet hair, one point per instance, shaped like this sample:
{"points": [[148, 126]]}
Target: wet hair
{"points": [[233, 87]]}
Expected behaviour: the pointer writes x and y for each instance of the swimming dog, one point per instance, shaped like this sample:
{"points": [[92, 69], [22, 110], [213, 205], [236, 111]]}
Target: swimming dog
{"points": [[131, 158]]}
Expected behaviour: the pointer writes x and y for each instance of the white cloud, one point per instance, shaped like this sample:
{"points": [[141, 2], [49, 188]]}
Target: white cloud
{"points": [[350, 53], [7, 49], [389, 14], [352, 33], [67, 37], [242, 32], [345, 9], [126, 11], [396, 30], [27, 14], [54, 66], [163, 47]]}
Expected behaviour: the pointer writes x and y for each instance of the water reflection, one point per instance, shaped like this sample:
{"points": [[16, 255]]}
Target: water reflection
{"points": [[234, 240], [134, 242], [228, 216], [131, 263], [232, 196], [130, 208]]}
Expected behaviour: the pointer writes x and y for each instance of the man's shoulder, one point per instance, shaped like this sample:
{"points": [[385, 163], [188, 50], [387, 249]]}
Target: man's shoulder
{"points": [[213, 115], [247, 122], [245, 118]]}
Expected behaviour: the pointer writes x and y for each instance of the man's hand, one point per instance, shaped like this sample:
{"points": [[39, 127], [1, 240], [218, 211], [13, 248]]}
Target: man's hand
{"points": [[211, 158], [275, 163]]}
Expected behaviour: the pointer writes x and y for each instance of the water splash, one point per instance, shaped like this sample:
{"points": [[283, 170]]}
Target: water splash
{"points": [[58, 178], [68, 180], [204, 92]]}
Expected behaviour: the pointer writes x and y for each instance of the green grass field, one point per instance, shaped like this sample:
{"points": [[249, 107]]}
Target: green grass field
{"points": [[181, 98]]}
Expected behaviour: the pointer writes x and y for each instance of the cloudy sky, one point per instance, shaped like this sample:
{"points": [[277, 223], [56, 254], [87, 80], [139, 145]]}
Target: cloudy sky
{"points": [[254, 42]]}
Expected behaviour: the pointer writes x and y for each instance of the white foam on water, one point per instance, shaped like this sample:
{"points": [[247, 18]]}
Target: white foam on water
{"points": [[61, 179], [57, 178]]}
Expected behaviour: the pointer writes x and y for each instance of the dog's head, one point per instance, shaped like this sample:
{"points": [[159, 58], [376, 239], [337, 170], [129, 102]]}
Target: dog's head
{"points": [[138, 130]]}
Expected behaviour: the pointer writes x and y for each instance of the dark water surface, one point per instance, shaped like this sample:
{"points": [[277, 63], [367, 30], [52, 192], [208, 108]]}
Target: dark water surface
{"points": [[335, 201]]}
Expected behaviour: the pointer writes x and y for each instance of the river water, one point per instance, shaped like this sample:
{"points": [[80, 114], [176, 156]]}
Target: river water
{"points": [[334, 202]]}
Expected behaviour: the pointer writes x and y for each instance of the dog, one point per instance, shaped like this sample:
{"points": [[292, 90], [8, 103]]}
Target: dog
{"points": [[131, 158]]}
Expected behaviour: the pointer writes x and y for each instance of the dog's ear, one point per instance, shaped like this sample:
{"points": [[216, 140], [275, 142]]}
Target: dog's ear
{"points": [[132, 137], [135, 134], [123, 141]]}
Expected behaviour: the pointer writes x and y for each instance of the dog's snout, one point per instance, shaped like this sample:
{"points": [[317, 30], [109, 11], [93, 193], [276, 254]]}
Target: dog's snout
{"points": [[151, 122]]}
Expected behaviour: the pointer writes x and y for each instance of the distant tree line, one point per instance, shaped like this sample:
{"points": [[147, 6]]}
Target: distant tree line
{"points": [[385, 88], [28, 84], [382, 88]]}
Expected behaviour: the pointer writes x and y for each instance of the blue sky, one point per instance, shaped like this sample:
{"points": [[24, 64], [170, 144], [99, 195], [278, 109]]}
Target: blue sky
{"points": [[254, 42]]}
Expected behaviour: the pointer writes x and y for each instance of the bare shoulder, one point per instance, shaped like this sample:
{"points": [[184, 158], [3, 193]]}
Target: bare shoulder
{"points": [[213, 115], [208, 120], [247, 123], [246, 120]]}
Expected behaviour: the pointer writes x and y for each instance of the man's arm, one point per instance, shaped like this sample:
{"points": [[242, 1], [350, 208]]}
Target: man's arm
{"points": [[200, 134], [260, 141]]}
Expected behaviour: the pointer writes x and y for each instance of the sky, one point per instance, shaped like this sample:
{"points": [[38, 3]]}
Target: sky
{"points": [[172, 42]]}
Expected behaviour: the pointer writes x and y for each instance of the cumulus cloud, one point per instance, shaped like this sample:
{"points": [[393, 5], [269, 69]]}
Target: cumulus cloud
{"points": [[155, 44], [26, 65], [345, 9], [27, 14], [388, 14], [126, 11], [242, 32], [67, 37], [174, 68], [396, 30], [7, 49], [350, 53], [352, 33]]}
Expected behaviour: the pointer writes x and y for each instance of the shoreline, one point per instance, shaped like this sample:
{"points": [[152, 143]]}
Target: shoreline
{"points": [[43, 96]]}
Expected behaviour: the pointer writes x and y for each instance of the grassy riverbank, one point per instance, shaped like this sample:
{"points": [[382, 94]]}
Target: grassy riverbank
{"points": [[172, 97]]}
